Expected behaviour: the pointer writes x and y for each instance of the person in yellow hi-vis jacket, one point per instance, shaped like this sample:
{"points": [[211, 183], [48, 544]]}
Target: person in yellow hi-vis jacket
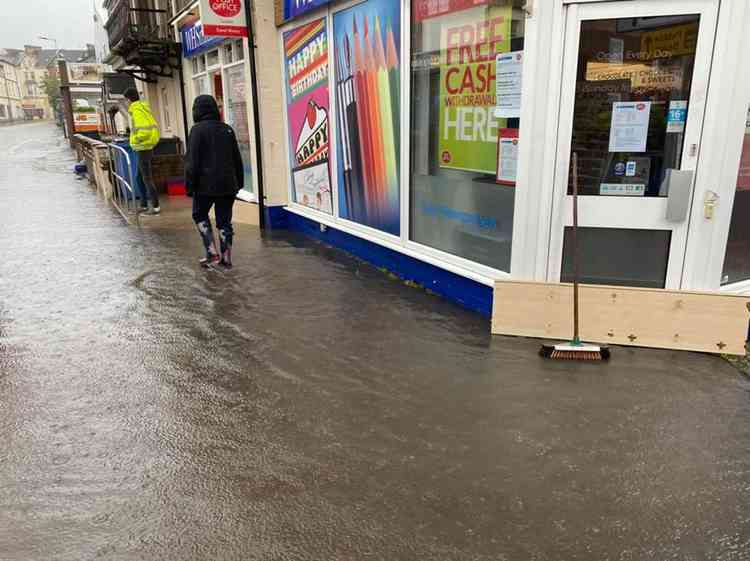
{"points": [[144, 136]]}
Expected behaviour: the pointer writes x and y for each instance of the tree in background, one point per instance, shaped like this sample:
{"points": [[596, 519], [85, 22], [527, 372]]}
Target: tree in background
{"points": [[51, 87]]}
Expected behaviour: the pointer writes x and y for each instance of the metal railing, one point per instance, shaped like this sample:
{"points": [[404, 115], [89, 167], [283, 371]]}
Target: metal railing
{"points": [[124, 197], [127, 26]]}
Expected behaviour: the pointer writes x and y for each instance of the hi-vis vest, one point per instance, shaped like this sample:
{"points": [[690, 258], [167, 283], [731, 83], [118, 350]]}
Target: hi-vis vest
{"points": [[144, 132]]}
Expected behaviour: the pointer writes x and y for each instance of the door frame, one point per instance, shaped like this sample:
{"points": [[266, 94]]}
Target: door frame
{"points": [[609, 212]]}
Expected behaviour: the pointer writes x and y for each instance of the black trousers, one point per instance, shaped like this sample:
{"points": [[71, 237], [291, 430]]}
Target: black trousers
{"points": [[146, 177], [223, 208]]}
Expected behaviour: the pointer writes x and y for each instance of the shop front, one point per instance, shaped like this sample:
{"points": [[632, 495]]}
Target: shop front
{"points": [[437, 136], [219, 67]]}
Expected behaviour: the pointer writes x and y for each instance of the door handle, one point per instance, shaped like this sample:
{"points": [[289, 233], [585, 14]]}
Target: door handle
{"points": [[678, 186]]}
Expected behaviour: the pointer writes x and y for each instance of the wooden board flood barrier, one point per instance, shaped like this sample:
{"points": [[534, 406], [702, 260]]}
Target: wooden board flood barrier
{"points": [[668, 319]]}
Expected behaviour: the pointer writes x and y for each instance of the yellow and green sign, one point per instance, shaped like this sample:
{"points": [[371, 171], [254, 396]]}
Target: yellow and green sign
{"points": [[468, 126]]}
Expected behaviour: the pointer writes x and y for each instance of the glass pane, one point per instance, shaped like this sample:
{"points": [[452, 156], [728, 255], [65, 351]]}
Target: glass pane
{"points": [[632, 99], [620, 257], [195, 66], [213, 57], [202, 63], [239, 50], [227, 53], [236, 94], [464, 138], [737, 259]]}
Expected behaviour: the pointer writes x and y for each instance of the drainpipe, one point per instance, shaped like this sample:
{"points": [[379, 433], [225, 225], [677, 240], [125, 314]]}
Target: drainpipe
{"points": [[184, 105], [256, 117]]}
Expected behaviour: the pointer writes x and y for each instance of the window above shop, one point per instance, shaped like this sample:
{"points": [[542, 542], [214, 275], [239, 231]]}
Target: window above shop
{"points": [[212, 58]]}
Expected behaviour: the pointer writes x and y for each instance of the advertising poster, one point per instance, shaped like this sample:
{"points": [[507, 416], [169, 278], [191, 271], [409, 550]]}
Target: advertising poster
{"points": [[368, 107], [468, 123], [306, 57], [223, 18]]}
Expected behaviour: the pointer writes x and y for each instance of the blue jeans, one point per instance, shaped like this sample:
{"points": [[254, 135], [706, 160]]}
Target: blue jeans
{"points": [[146, 177]]}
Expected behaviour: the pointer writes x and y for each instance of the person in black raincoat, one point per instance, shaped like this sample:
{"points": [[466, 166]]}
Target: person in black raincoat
{"points": [[213, 175]]}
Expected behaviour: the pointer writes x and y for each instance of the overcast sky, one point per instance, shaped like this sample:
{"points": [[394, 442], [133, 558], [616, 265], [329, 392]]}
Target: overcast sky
{"points": [[69, 21]]}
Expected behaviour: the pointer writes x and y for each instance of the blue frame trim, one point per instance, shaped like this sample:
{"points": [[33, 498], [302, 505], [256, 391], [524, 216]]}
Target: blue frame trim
{"points": [[466, 292]]}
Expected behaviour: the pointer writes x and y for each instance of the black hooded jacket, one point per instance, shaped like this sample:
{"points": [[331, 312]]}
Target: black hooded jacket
{"points": [[213, 165]]}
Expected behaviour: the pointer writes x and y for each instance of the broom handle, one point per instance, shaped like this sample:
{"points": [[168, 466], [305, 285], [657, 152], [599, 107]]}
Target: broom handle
{"points": [[576, 337]]}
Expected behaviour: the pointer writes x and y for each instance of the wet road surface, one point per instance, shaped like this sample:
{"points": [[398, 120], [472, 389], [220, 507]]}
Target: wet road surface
{"points": [[307, 407]]}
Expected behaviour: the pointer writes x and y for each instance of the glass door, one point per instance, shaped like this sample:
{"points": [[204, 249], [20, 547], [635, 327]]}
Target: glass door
{"points": [[633, 99]]}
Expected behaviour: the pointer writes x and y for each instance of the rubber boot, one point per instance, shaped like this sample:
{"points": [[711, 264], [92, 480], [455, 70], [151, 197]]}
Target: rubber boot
{"points": [[207, 236], [225, 242]]}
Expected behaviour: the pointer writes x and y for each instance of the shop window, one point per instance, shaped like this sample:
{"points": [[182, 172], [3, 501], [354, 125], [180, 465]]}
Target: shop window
{"points": [[239, 50], [236, 95], [202, 63], [213, 58], [737, 259], [196, 68], [463, 136], [227, 53]]}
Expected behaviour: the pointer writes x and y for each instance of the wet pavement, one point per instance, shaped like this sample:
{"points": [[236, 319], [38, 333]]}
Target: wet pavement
{"points": [[305, 406]]}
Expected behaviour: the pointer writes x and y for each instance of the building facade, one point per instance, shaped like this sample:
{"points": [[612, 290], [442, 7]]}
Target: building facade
{"points": [[437, 138], [220, 67], [10, 90]]}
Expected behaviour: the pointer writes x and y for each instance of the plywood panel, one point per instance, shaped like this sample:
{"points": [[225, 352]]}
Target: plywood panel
{"points": [[698, 321]]}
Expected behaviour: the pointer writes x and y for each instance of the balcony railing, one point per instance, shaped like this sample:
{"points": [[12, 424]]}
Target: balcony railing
{"points": [[180, 5], [128, 27]]}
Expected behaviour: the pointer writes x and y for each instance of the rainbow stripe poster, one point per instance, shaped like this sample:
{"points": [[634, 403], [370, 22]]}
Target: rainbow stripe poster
{"points": [[306, 57], [368, 101]]}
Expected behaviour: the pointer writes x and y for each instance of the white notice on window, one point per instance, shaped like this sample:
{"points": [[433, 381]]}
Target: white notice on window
{"points": [[508, 71], [507, 160], [629, 129]]}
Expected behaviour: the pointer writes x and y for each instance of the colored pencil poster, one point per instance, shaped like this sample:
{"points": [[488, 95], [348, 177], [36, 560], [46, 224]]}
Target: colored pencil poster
{"points": [[306, 52], [468, 124], [368, 101]]}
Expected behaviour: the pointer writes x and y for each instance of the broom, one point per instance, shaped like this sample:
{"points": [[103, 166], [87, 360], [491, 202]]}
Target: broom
{"points": [[575, 349]]}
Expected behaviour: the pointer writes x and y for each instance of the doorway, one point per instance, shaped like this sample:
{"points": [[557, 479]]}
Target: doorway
{"points": [[632, 105]]}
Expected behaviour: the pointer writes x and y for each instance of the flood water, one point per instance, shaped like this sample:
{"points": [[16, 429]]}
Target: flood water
{"points": [[306, 406]]}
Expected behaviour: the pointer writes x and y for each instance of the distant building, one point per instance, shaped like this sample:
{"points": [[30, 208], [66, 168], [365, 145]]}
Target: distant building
{"points": [[10, 89], [33, 65]]}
